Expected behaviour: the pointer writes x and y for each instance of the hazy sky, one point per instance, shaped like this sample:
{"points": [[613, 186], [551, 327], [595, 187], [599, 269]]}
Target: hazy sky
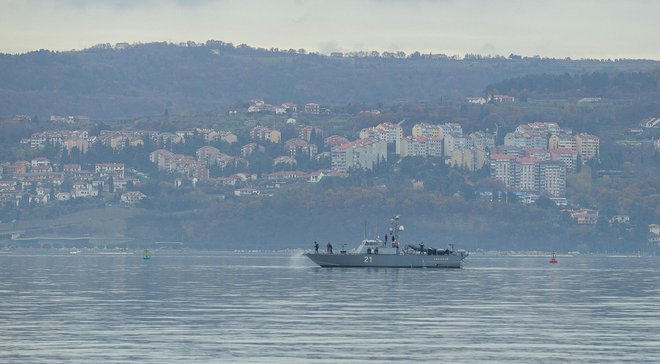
{"points": [[556, 28]]}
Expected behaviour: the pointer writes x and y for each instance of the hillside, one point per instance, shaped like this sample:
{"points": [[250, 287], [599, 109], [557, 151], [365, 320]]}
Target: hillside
{"points": [[148, 79], [596, 84]]}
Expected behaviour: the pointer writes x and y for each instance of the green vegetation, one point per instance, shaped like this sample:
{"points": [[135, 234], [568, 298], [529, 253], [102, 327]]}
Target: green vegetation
{"points": [[438, 203], [595, 84], [166, 79]]}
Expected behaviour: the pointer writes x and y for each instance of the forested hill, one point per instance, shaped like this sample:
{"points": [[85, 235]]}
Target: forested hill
{"points": [[594, 84], [106, 82]]}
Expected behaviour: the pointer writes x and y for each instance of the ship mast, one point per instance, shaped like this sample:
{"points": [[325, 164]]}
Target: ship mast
{"points": [[395, 229]]}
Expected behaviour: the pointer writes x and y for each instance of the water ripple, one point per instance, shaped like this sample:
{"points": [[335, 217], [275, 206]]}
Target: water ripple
{"points": [[232, 308]]}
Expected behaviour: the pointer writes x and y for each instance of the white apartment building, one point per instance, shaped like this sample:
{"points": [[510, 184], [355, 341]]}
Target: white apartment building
{"points": [[587, 146], [552, 178], [110, 169], [208, 155], [502, 168], [452, 128], [421, 146], [358, 154], [313, 108], [427, 130], [453, 141], [536, 140], [540, 127], [83, 189], [482, 140], [567, 156], [527, 174], [562, 141], [389, 132]]}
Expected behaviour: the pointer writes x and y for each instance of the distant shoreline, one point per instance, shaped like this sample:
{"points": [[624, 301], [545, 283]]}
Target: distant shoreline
{"points": [[297, 251]]}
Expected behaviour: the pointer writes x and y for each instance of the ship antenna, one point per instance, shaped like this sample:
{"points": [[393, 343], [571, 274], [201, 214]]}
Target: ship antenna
{"points": [[396, 228]]}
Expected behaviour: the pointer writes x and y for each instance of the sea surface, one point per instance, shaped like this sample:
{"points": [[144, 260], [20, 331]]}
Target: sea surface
{"points": [[235, 308]]}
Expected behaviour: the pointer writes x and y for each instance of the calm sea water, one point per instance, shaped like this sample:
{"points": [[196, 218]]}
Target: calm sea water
{"points": [[282, 309]]}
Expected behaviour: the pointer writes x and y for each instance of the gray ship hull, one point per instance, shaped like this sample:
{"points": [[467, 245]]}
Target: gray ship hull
{"points": [[387, 260]]}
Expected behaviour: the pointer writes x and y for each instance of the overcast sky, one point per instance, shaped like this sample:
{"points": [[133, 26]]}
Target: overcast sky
{"points": [[557, 28]]}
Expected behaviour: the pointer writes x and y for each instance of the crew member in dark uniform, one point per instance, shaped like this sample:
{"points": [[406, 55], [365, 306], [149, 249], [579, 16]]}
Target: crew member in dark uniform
{"points": [[316, 247]]}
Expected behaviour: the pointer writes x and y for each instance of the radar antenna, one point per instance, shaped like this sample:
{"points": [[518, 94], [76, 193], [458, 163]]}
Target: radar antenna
{"points": [[395, 230]]}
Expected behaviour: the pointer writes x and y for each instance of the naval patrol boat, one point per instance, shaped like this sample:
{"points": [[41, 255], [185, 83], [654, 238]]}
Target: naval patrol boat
{"points": [[380, 253]]}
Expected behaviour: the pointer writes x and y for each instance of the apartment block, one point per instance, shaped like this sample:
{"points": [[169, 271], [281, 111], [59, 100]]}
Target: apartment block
{"points": [[526, 174], [453, 141], [389, 132], [552, 178], [265, 133], [358, 154], [427, 130], [482, 140], [588, 146], [469, 158], [503, 168], [421, 146]]}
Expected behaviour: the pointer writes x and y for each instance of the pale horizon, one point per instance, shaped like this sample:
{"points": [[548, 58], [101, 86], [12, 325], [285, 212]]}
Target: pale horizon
{"points": [[583, 30]]}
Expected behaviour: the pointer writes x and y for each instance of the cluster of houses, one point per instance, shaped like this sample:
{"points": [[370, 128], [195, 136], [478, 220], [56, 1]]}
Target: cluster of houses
{"points": [[536, 157], [119, 139], [491, 99], [427, 140], [533, 160], [54, 118], [70, 119], [39, 181], [179, 164], [260, 106], [587, 216], [67, 139], [206, 157]]}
